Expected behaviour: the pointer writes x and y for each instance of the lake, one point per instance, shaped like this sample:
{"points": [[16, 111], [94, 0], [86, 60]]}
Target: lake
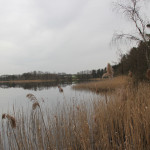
{"points": [[14, 95]]}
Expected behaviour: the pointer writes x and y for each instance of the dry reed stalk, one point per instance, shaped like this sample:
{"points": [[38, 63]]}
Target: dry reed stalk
{"points": [[12, 122], [103, 85], [31, 97], [34, 106], [11, 119], [122, 123]]}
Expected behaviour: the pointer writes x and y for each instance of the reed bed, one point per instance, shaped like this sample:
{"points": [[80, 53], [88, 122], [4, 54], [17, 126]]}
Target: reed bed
{"points": [[121, 123], [103, 85]]}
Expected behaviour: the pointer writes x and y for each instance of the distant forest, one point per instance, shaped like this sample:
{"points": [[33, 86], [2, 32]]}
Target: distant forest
{"points": [[37, 75]]}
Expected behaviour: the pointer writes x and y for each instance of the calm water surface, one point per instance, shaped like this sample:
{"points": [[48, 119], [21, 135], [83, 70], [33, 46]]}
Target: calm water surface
{"points": [[13, 95]]}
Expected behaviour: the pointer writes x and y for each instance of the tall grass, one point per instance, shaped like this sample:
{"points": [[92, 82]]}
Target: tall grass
{"points": [[103, 85], [121, 123]]}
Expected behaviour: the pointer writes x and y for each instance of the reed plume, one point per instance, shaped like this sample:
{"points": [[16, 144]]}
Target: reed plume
{"points": [[109, 72], [10, 119], [12, 122], [109, 69], [60, 89], [3, 116], [31, 97], [35, 105]]}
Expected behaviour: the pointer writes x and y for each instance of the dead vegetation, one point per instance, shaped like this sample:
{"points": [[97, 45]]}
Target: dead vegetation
{"points": [[120, 123], [104, 84]]}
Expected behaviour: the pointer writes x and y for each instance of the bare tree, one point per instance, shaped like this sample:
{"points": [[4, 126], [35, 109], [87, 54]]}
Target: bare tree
{"points": [[131, 10]]}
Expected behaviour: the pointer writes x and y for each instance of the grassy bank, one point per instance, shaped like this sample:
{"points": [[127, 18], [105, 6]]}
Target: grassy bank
{"points": [[121, 123], [103, 84], [26, 81]]}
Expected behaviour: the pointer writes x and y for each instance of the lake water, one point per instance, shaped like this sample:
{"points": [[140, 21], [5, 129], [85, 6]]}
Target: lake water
{"points": [[14, 95]]}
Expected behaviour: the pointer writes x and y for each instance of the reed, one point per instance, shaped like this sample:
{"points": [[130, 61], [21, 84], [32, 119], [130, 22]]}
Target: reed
{"points": [[103, 85], [120, 123], [11, 119], [60, 89]]}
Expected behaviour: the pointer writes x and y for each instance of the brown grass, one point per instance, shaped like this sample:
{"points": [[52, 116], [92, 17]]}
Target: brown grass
{"points": [[103, 84], [123, 123]]}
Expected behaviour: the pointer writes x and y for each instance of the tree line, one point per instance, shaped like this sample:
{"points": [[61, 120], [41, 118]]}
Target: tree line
{"points": [[135, 61], [37, 75]]}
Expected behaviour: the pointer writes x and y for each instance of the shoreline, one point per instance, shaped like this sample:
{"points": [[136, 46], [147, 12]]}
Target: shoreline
{"points": [[27, 81], [103, 85]]}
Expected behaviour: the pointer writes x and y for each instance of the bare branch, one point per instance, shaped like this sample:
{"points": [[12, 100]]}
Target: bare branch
{"points": [[123, 37], [131, 10]]}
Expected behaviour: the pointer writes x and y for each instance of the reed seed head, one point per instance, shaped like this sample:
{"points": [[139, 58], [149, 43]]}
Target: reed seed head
{"points": [[60, 90], [3, 116], [11, 119], [35, 105], [110, 71], [31, 97]]}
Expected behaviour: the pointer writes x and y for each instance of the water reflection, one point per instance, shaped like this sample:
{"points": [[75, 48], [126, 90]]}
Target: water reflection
{"points": [[36, 86], [14, 95]]}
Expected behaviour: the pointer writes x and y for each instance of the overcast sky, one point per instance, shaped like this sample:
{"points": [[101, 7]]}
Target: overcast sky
{"points": [[57, 35]]}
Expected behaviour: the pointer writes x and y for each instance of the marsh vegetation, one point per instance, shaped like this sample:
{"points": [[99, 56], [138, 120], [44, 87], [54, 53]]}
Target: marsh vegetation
{"points": [[115, 117], [121, 122], [104, 85]]}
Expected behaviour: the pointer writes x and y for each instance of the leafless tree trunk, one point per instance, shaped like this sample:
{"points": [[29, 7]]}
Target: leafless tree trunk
{"points": [[131, 10]]}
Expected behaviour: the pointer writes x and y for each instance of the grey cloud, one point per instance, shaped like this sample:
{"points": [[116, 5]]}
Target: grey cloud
{"points": [[54, 35]]}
